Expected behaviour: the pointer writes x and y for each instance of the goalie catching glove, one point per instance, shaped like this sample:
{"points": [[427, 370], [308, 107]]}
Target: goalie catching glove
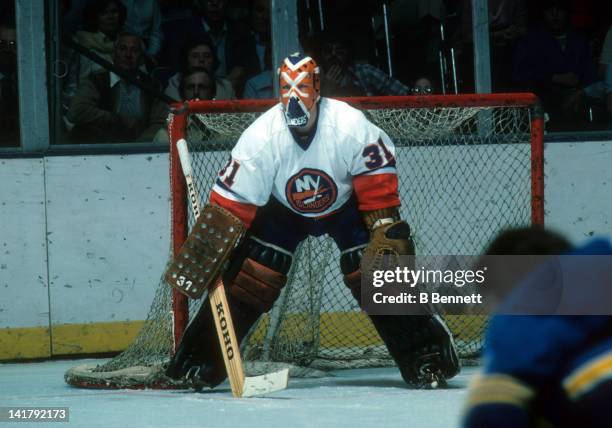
{"points": [[389, 238], [203, 255]]}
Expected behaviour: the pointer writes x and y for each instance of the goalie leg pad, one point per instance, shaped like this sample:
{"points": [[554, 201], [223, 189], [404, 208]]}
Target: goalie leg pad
{"points": [[261, 275], [199, 357], [349, 265], [256, 274], [257, 285], [353, 282], [422, 346]]}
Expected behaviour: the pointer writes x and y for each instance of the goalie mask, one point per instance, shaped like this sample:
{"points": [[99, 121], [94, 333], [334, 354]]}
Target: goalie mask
{"points": [[299, 88]]}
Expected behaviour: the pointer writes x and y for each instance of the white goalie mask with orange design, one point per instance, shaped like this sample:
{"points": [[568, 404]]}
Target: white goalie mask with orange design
{"points": [[299, 88]]}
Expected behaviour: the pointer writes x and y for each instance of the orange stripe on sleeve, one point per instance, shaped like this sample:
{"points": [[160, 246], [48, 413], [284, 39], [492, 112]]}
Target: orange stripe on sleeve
{"points": [[245, 212], [376, 191]]}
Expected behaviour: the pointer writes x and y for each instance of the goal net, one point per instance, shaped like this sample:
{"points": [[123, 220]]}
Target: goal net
{"points": [[469, 166]]}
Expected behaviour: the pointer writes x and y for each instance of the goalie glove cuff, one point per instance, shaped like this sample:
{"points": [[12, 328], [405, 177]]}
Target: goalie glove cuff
{"points": [[381, 217]]}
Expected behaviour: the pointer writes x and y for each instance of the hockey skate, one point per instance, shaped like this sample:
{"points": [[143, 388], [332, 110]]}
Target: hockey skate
{"points": [[422, 347], [196, 366]]}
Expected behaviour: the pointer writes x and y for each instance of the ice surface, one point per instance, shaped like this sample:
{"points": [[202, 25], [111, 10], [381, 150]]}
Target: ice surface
{"points": [[349, 398]]}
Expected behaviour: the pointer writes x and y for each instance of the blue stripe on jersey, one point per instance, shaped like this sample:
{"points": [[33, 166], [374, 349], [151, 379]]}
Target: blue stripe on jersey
{"points": [[390, 166], [222, 185], [225, 188]]}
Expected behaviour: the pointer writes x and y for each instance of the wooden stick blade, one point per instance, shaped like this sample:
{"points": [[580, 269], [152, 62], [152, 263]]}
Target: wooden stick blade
{"points": [[266, 383]]}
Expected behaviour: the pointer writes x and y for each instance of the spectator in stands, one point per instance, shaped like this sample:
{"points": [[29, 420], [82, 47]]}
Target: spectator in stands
{"points": [[259, 83], [200, 54], [581, 15], [508, 21], [174, 10], [144, 20], [9, 103], [596, 97], [72, 15], [423, 86], [103, 20], [261, 86], [342, 76], [354, 18], [236, 58], [606, 53], [416, 42], [175, 15], [261, 30], [197, 84], [553, 62], [108, 108]]}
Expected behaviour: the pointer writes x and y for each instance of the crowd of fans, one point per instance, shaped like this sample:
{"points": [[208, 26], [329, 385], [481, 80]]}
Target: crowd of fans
{"points": [[551, 48], [126, 60]]}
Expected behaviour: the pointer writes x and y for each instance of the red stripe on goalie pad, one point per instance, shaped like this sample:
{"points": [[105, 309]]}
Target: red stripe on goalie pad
{"points": [[376, 191], [245, 212], [257, 285]]}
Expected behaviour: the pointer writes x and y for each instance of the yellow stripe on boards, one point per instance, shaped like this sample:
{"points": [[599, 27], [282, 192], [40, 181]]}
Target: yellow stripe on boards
{"points": [[68, 339], [336, 330], [95, 337], [354, 329], [24, 343]]}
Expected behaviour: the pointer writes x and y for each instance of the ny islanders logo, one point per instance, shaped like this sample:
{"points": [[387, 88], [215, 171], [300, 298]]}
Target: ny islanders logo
{"points": [[311, 191]]}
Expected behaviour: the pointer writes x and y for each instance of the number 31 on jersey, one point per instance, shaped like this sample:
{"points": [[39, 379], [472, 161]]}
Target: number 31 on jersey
{"points": [[373, 156], [228, 172]]}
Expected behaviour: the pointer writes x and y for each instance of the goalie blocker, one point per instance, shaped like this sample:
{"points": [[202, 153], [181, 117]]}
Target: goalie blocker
{"points": [[203, 255]]}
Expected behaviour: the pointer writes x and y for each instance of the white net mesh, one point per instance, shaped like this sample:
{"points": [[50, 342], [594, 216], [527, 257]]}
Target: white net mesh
{"points": [[464, 174]]}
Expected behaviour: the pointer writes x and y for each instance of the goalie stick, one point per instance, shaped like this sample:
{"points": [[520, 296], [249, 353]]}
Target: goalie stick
{"points": [[241, 385]]}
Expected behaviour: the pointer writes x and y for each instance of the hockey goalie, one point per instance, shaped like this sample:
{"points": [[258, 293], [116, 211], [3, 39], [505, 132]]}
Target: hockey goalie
{"points": [[308, 166]]}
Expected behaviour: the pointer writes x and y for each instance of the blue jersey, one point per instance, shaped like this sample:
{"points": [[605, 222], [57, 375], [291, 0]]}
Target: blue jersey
{"points": [[537, 348]]}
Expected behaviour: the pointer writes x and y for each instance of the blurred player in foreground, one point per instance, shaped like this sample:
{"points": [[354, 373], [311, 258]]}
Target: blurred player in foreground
{"points": [[548, 370], [311, 166]]}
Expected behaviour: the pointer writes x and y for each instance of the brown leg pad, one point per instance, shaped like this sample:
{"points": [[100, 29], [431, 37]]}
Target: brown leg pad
{"points": [[257, 285], [353, 282]]}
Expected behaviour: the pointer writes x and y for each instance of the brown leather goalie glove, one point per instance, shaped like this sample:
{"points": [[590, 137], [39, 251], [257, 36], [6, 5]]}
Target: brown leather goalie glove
{"points": [[389, 239]]}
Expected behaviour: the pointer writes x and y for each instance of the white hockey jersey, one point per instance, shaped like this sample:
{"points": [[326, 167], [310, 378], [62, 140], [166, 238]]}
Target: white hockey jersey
{"points": [[312, 180]]}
